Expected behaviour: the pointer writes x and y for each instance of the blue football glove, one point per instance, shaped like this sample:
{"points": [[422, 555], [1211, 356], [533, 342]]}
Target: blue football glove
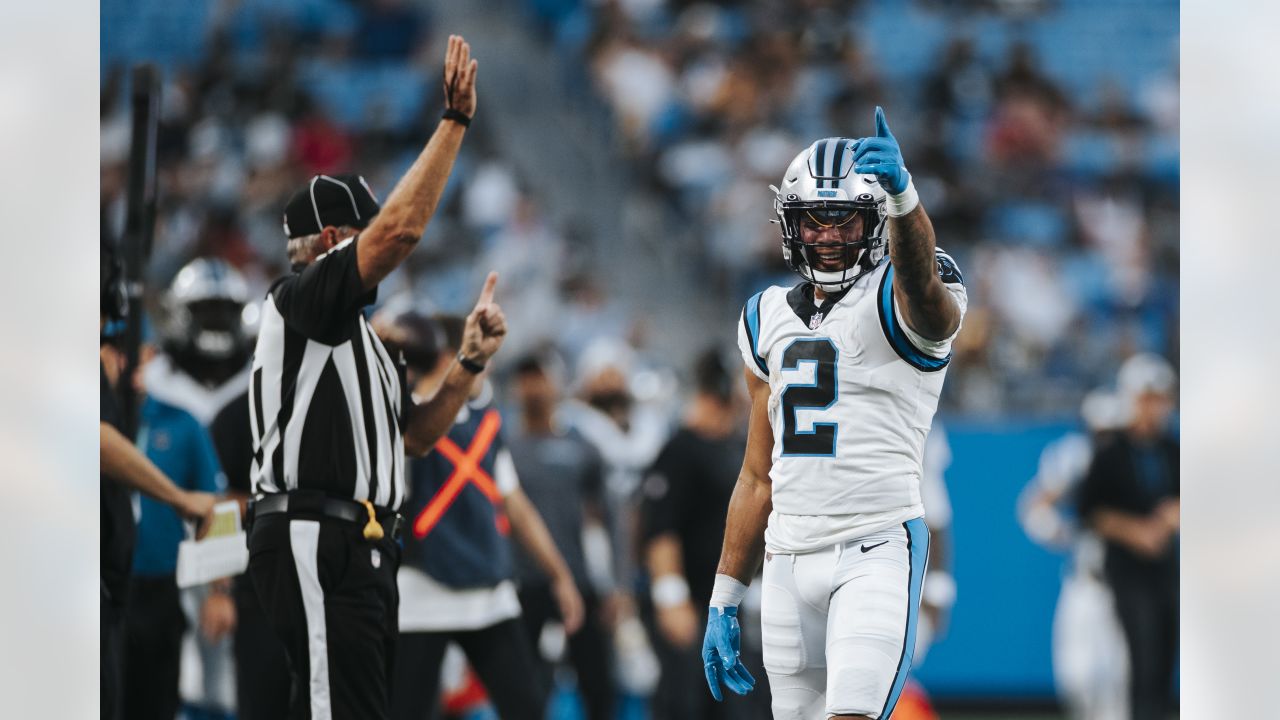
{"points": [[720, 654], [880, 156]]}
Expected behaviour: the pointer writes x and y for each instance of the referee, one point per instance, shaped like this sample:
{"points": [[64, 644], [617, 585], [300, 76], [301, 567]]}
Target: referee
{"points": [[331, 420]]}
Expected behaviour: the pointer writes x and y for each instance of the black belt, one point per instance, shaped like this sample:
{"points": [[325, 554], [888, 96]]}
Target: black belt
{"points": [[302, 502]]}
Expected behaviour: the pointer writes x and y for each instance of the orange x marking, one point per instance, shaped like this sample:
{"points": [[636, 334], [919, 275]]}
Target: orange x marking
{"points": [[466, 470]]}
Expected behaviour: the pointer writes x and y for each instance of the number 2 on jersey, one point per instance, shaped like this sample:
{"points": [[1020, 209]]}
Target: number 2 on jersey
{"points": [[818, 395]]}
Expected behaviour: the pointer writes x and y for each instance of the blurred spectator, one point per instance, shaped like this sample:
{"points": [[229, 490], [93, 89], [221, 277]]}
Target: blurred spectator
{"points": [[320, 146], [529, 255], [1031, 113], [563, 475], [1130, 497], [685, 500], [960, 86], [628, 434], [390, 30]]}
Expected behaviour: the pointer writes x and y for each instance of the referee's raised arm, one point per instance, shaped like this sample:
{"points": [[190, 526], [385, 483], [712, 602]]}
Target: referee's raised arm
{"points": [[393, 234]]}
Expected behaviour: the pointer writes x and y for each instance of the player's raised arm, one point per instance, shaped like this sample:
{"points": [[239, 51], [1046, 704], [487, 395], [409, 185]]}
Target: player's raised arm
{"points": [[395, 231], [926, 306]]}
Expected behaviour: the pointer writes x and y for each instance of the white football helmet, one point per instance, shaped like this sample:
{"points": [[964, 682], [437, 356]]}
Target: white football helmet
{"points": [[821, 188], [204, 315]]}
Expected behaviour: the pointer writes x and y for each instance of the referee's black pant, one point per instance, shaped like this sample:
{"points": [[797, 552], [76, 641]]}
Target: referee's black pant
{"points": [[331, 597], [263, 684]]}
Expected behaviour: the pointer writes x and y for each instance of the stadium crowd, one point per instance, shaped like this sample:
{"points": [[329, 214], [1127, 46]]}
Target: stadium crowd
{"points": [[1055, 188]]}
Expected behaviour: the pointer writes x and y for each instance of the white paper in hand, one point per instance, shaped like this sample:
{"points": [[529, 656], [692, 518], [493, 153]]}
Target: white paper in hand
{"points": [[222, 553]]}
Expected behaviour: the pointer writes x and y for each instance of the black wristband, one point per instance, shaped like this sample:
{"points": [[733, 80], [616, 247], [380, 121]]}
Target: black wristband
{"points": [[470, 365], [456, 116]]}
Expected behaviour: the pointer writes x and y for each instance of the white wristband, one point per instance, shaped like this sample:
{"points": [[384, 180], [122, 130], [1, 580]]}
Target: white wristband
{"points": [[727, 592], [904, 202], [669, 591]]}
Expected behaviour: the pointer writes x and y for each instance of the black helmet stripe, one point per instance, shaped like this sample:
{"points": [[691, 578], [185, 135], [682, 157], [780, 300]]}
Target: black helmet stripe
{"points": [[820, 163], [837, 162]]}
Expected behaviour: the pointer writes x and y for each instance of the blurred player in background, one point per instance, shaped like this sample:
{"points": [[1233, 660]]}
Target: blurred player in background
{"points": [[628, 433], [457, 583], [938, 594], [1090, 660], [206, 342], [844, 373], [685, 496], [563, 475], [1130, 497]]}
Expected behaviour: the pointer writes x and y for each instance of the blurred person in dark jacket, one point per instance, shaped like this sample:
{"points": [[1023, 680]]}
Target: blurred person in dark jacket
{"points": [[1130, 497], [563, 475], [685, 500]]}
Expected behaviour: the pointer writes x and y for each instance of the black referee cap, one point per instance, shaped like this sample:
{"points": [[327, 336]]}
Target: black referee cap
{"points": [[329, 200]]}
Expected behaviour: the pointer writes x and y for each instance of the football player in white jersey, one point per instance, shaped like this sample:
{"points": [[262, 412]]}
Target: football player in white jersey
{"points": [[844, 372]]}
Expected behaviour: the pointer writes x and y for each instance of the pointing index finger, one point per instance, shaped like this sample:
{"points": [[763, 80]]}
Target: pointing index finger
{"points": [[882, 125], [486, 293]]}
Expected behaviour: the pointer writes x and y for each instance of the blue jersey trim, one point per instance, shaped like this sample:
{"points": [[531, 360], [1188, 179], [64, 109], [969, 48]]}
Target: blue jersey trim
{"points": [[897, 337], [751, 319], [918, 552]]}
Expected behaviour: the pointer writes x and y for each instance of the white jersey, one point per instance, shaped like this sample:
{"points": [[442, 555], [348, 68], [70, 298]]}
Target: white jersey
{"points": [[852, 393]]}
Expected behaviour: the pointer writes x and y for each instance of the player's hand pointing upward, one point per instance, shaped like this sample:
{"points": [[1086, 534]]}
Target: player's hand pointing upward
{"points": [[486, 325], [880, 156]]}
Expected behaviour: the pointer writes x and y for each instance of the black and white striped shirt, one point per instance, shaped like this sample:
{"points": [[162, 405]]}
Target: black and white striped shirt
{"points": [[327, 402]]}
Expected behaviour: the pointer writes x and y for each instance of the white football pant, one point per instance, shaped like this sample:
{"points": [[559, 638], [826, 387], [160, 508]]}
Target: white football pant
{"points": [[839, 624]]}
